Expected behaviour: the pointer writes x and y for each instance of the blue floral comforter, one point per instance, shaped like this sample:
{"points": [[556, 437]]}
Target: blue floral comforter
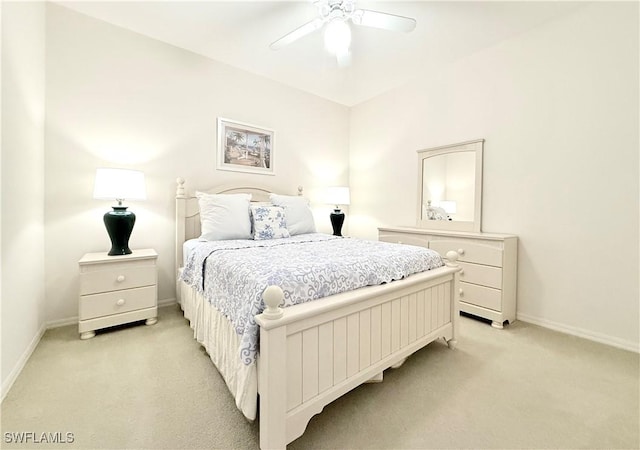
{"points": [[231, 275]]}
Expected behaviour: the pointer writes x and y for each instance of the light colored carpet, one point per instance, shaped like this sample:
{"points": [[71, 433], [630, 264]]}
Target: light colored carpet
{"points": [[154, 387]]}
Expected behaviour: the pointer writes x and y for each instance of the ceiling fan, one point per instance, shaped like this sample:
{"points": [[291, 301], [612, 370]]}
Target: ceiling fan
{"points": [[335, 14]]}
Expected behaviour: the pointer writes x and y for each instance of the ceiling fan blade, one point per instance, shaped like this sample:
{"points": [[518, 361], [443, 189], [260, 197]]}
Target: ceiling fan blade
{"points": [[383, 20], [296, 34]]}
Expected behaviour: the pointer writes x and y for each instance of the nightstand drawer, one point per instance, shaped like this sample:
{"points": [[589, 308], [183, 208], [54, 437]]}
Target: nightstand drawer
{"points": [[117, 277], [481, 296], [116, 302], [489, 276], [469, 251]]}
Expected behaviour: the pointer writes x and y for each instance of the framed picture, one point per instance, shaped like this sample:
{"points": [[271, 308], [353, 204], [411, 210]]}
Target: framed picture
{"points": [[244, 148]]}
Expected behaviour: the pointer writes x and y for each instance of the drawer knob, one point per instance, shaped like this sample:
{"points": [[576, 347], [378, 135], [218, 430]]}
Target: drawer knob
{"points": [[120, 302], [461, 292], [460, 251], [461, 272], [120, 278], [399, 242]]}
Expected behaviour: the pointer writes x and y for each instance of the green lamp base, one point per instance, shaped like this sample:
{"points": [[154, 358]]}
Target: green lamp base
{"points": [[119, 223]]}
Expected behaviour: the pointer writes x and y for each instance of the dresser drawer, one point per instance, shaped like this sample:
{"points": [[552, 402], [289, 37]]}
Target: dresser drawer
{"points": [[404, 238], [116, 302], [117, 277], [469, 251], [481, 296], [489, 276]]}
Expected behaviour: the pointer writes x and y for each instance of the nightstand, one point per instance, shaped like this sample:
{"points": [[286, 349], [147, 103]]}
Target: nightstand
{"points": [[116, 290]]}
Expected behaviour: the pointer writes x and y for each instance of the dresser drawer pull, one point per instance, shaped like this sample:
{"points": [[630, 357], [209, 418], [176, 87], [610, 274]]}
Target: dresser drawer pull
{"points": [[460, 251], [399, 242], [120, 302], [461, 292], [120, 278], [461, 272]]}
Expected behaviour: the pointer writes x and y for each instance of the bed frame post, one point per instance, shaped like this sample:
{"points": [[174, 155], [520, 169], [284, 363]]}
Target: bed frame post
{"points": [[272, 375], [181, 210], [452, 261]]}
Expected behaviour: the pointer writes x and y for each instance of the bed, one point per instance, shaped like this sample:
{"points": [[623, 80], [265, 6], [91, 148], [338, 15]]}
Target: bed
{"points": [[310, 353]]}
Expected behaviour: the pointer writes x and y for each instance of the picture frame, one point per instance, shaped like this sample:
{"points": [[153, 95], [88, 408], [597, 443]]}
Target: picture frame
{"points": [[243, 147]]}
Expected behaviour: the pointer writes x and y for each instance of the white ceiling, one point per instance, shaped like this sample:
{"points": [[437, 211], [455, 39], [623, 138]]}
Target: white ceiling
{"points": [[238, 33]]}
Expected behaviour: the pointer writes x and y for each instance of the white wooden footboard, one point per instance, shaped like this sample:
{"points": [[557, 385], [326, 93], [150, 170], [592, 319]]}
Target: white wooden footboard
{"points": [[311, 354]]}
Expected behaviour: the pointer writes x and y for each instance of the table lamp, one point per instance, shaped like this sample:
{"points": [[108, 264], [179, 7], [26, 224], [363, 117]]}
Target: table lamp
{"points": [[119, 184], [337, 196]]}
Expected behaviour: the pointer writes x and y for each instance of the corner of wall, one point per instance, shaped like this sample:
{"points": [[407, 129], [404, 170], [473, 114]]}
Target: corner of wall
{"points": [[22, 117]]}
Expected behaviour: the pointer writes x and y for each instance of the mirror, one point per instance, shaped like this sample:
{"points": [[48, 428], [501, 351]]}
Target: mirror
{"points": [[450, 187]]}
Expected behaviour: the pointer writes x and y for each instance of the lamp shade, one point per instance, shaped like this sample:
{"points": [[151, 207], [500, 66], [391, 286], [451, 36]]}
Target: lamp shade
{"points": [[338, 195], [119, 184]]}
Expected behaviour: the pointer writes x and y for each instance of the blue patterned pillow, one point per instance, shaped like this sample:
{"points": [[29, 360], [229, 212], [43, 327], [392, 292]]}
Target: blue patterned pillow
{"points": [[268, 222]]}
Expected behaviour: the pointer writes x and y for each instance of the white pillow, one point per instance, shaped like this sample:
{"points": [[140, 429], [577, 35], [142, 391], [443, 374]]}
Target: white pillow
{"points": [[269, 222], [299, 215], [224, 216]]}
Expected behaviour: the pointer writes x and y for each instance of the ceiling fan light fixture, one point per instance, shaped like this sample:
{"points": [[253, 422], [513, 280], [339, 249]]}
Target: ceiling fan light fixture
{"points": [[337, 36], [335, 15]]}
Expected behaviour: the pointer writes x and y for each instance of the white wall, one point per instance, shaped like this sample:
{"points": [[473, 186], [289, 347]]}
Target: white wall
{"points": [[558, 107], [22, 230], [119, 99]]}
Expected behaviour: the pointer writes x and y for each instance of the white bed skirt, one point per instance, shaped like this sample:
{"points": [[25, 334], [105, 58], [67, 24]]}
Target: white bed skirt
{"points": [[216, 334]]}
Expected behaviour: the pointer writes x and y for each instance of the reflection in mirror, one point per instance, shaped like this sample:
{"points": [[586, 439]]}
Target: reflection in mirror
{"points": [[451, 187], [449, 181]]}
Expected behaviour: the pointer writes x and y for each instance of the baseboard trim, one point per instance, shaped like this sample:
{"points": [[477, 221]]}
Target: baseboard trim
{"points": [[580, 332], [62, 322], [13, 376], [167, 302]]}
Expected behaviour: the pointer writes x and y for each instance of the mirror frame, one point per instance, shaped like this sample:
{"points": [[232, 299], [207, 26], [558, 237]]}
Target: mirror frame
{"points": [[476, 146]]}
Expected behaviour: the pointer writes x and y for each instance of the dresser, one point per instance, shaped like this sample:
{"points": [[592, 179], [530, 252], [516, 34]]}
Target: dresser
{"points": [[116, 290], [488, 262]]}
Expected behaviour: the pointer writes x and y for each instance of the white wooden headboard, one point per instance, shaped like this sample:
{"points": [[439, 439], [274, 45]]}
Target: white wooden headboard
{"points": [[188, 212]]}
